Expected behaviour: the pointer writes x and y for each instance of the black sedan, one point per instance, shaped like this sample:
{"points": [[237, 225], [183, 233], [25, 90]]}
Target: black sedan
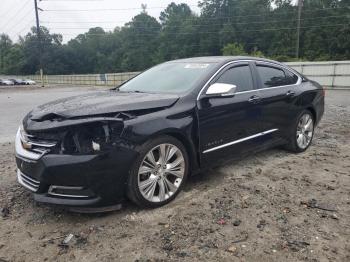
{"points": [[143, 139]]}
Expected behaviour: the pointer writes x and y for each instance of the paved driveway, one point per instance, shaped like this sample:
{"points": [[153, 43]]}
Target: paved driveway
{"points": [[15, 103]]}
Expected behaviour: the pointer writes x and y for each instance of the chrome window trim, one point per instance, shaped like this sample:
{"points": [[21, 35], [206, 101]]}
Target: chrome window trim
{"points": [[281, 67], [217, 72], [248, 91], [253, 90], [240, 140]]}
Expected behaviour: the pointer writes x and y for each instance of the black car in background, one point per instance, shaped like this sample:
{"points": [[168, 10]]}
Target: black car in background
{"points": [[143, 139]]}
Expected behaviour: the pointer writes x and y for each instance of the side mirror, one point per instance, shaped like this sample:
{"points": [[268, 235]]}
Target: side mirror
{"points": [[221, 90]]}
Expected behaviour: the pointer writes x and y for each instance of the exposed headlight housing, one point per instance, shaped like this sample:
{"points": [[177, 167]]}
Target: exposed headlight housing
{"points": [[91, 138]]}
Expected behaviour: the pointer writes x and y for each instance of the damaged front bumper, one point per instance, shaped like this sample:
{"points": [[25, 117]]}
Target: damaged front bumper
{"points": [[91, 180]]}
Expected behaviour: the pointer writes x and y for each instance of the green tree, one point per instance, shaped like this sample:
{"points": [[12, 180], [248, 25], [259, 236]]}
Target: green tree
{"points": [[5, 46], [178, 37], [46, 49], [13, 60], [139, 42], [233, 49], [257, 53]]}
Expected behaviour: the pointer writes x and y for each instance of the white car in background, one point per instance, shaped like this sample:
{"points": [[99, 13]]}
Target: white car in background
{"points": [[6, 82], [29, 82]]}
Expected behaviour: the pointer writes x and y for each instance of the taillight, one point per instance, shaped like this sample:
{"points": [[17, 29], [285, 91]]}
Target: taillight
{"points": [[323, 91]]}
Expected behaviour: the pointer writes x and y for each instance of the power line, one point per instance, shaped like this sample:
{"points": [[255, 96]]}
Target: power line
{"points": [[216, 32], [14, 16], [3, 15], [164, 7], [221, 18], [6, 12], [210, 25], [30, 11], [31, 22], [107, 9]]}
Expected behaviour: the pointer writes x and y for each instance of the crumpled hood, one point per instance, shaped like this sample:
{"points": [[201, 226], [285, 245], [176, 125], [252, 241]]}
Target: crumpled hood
{"points": [[94, 106], [102, 102]]}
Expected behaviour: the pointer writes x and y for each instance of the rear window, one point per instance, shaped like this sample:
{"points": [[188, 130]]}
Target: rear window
{"points": [[273, 76]]}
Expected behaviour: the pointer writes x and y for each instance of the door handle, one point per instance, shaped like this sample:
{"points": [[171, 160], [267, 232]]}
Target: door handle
{"points": [[290, 93], [254, 99]]}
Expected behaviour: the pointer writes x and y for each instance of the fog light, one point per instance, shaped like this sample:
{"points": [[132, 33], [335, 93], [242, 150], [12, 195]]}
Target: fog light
{"points": [[69, 191]]}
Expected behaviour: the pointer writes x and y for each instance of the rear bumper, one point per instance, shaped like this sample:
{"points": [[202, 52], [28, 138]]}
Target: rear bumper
{"points": [[76, 180]]}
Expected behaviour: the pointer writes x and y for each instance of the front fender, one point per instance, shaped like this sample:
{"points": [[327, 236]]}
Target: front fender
{"points": [[181, 125]]}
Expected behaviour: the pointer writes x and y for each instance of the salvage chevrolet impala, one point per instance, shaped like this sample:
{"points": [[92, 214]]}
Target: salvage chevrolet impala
{"points": [[143, 139]]}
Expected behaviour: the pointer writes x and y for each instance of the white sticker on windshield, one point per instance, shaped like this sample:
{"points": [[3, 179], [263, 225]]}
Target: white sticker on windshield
{"points": [[196, 66]]}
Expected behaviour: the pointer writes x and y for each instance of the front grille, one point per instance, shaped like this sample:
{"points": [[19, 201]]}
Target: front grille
{"points": [[28, 182], [36, 144]]}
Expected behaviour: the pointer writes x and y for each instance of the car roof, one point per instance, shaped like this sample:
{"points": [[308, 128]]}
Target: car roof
{"points": [[222, 59]]}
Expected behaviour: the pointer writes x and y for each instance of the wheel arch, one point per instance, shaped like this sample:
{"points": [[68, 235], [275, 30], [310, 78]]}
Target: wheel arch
{"points": [[313, 112], [189, 146]]}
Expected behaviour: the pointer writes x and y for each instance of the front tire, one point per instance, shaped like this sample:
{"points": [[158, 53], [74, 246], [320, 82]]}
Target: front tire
{"points": [[159, 173], [303, 132]]}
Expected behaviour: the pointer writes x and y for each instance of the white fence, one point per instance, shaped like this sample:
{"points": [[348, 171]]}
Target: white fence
{"points": [[113, 79], [331, 74]]}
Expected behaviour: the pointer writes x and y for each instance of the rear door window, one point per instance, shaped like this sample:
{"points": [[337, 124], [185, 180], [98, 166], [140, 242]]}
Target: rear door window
{"points": [[292, 79], [273, 76], [240, 76]]}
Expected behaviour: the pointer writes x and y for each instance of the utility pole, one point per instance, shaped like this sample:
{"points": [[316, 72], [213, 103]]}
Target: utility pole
{"points": [[38, 32], [300, 7]]}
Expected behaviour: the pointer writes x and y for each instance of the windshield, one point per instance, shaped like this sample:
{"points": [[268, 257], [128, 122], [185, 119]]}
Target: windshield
{"points": [[168, 78]]}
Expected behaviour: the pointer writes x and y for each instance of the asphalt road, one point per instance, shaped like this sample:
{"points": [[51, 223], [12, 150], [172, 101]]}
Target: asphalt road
{"points": [[16, 102]]}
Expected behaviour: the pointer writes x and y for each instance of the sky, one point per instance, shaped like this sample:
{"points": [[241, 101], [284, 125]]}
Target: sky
{"points": [[61, 16]]}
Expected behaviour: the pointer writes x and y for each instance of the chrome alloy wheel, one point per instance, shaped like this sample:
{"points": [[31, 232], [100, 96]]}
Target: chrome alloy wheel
{"points": [[161, 172], [305, 131]]}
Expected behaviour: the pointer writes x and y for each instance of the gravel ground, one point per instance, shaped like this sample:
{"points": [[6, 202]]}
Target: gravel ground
{"points": [[272, 206]]}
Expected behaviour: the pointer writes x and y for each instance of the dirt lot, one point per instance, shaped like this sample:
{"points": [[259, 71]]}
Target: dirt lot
{"points": [[274, 206]]}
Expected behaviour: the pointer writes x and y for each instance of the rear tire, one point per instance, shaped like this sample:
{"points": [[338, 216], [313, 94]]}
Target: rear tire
{"points": [[303, 132], [159, 172]]}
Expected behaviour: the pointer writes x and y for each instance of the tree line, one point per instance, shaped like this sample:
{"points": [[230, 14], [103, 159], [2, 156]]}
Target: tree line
{"points": [[265, 28]]}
